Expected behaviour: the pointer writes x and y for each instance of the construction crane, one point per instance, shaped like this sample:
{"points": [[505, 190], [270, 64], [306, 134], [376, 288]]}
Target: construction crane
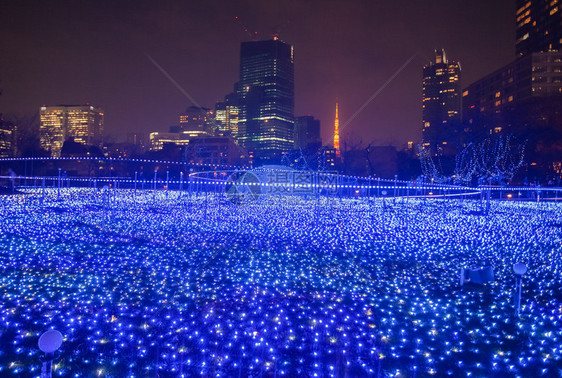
{"points": [[252, 34]]}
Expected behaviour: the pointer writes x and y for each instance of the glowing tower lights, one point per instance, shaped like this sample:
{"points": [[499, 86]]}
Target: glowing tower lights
{"points": [[337, 133]]}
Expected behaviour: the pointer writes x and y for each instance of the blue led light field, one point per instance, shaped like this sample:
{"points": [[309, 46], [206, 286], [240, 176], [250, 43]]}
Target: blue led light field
{"points": [[142, 284]]}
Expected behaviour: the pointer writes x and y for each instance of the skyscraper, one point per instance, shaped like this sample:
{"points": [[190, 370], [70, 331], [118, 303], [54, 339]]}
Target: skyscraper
{"points": [[83, 124], [538, 26], [441, 109], [266, 95]]}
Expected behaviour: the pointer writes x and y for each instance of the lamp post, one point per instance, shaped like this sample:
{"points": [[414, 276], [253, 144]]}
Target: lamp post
{"points": [[181, 183], [189, 184], [49, 342], [58, 190], [519, 269]]}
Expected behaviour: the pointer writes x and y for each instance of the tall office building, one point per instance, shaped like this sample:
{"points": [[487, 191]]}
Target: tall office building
{"points": [[307, 133], [441, 109], [226, 115], [83, 124], [266, 95], [538, 26]]}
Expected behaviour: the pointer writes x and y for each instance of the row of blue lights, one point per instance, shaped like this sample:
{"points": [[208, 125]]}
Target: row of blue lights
{"points": [[204, 181], [150, 161], [236, 168], [141, 289]]}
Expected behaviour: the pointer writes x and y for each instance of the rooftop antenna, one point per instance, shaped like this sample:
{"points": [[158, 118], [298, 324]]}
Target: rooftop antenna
{"points": [[276, 30]]}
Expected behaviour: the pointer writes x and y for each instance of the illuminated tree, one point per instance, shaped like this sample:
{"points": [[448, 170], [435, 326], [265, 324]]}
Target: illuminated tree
{"points": [[494, 160], [429, 169]]}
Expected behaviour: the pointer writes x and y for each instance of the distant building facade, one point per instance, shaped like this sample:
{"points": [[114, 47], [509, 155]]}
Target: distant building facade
{"points": [[307, 133], [490, 105], [328, 159], [219, 150], [194, 122], [138, 140], [266, 96], [197, 121], [441, 105], [6, 138], [83, 124], [159, 139], [523, 99], [538, 26]]}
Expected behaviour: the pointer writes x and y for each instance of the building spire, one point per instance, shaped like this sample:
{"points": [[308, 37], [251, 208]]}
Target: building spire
{"points": [[337, 132]]}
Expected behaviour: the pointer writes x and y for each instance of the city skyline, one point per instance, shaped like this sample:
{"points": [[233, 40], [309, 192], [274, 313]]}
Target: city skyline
{"points": [[344, 50]]}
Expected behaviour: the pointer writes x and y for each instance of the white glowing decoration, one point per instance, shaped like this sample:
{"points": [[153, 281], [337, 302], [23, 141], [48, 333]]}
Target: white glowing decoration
{"points": [[50, 341], [519, 269]]}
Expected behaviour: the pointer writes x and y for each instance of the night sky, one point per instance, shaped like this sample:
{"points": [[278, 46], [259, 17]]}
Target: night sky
{"points": [[73, 52]]}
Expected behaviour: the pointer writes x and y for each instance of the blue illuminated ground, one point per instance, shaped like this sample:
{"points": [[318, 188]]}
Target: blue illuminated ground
{"points": [[146, 285]]}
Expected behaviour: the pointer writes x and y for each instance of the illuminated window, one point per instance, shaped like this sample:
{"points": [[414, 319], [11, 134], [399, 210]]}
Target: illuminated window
{"points": [[522, 9], [526, 21], [520, 17]]}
